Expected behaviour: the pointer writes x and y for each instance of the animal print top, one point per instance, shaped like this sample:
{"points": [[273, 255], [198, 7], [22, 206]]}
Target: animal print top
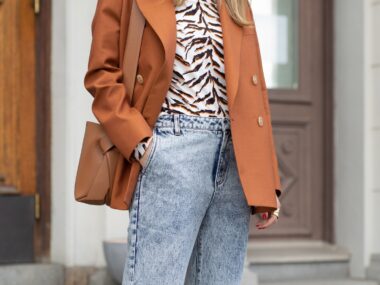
{"points": [[198, 85]]}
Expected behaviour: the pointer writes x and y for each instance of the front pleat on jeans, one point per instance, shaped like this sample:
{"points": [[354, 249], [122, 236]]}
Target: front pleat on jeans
{"points": [[132, 233], [134, 213]]}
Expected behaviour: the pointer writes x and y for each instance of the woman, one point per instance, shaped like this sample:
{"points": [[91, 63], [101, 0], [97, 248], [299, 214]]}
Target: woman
{"points": [[196, 136]]}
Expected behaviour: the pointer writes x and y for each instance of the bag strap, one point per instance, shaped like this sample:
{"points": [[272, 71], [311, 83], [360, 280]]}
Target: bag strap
{"points": [[132, 48]]}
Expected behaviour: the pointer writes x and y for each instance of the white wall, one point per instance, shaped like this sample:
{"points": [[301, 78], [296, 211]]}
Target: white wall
{"points": [[349, 131], [77, 229], [357, 129], [374, 125]]}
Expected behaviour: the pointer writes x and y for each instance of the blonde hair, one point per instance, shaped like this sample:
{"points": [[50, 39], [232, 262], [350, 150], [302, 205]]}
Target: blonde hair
{"points": [[235, 8]]}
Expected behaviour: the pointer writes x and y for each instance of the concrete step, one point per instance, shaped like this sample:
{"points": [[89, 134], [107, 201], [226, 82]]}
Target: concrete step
{"points": [[32, 274], [249, 278], [373, 273], [349, 281], [297, 260], [373, 270], [102, 277]]}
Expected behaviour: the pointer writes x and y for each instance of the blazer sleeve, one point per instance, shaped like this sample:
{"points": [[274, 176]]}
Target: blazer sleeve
{"points": [[124, 124]]}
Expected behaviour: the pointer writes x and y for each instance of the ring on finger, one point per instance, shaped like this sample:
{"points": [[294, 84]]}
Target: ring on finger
{"points": [[276, 213]]}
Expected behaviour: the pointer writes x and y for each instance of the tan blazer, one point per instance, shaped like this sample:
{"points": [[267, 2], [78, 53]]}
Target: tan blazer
{"points": [[128, 121]]}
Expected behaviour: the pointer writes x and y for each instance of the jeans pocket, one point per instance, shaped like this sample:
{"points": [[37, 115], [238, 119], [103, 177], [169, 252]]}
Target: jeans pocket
{"points": [[151, 153]]}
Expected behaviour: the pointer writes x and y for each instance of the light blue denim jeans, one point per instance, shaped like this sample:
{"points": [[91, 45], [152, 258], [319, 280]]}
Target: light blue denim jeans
{"points": [[189, 219]]}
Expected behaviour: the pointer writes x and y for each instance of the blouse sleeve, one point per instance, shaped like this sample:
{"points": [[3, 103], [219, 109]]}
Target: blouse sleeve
{"points": [[140, 149]]}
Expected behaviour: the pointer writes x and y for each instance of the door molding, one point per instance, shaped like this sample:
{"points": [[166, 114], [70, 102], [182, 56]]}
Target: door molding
{"points": [[43, 130], [328, 123]]}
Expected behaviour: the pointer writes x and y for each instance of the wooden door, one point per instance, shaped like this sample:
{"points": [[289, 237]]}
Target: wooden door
{"points": [[295, 46], [23, 135], [17, 95]]}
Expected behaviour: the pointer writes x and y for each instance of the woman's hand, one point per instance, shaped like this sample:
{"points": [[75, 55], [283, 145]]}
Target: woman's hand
{"points": [[270, 219], [143, 159]]}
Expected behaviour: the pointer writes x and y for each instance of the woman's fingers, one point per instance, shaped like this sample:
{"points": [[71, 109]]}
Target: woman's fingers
{"points": [[268, 217], [269, 220]]}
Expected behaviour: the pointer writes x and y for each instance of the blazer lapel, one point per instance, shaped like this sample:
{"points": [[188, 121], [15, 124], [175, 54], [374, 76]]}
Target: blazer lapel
{"points": [[232, 37], [160, 14]]}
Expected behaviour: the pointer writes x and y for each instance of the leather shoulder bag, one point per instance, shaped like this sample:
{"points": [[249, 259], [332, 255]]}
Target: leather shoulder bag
{"points": [[98, 158]]}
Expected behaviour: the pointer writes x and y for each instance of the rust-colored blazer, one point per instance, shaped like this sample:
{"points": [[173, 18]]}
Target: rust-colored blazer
{"points": [[128, 121]]}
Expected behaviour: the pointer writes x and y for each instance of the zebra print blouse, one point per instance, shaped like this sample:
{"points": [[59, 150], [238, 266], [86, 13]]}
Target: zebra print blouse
{"points": [[198, 85]]}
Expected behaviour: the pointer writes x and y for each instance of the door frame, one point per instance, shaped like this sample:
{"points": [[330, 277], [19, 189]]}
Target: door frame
{"points": [[325, 34], [43, 41], [328, 122]]}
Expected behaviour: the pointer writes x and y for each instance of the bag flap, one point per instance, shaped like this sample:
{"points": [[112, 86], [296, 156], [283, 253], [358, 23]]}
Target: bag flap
{"points": [[105, 144]]}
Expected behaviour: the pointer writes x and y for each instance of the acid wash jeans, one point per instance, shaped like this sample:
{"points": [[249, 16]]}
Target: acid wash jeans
{"points": [[189, 219]]}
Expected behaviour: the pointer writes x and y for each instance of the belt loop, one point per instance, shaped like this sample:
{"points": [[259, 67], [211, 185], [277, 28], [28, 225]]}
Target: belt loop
{"points": [[224, 125], [177, 129]]}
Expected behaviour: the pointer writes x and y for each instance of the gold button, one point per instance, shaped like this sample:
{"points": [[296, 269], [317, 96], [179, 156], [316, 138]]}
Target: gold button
{"points": [[255, 80], [140, 79], [260, 121]]}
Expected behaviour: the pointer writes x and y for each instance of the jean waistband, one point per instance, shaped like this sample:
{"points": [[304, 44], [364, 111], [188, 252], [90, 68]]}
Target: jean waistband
{"points": [[193, 122]]}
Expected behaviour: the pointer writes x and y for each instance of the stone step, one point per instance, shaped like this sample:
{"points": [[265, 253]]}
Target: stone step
{"points": [[297, 259], [373, 273], [101, 277], [373, 270], [249, 278], [348, 281], [32, 274]]}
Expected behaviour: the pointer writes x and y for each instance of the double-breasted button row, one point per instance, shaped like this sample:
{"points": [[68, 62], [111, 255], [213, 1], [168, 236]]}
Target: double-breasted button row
{"points": [[140, 78], [255, 81]]}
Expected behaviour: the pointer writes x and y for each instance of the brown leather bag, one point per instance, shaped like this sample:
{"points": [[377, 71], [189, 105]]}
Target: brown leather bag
{"points": [[99, 156]]}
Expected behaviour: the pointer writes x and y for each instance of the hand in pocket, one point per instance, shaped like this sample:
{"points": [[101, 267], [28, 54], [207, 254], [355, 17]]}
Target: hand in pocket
{"points": [[145, 156]]}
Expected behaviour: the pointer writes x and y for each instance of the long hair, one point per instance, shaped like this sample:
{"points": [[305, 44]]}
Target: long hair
{"points": [[235, 8]]}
